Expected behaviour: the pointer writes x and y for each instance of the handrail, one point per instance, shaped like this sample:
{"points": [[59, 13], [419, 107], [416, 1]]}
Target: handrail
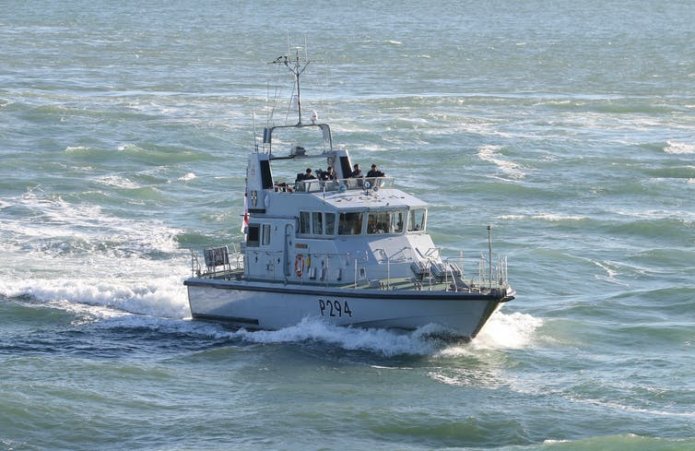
{"points": [[340, 185], [450, 271], [388, 266], [228, 261]]}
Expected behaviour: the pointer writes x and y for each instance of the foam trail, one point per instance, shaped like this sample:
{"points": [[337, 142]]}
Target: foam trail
{"points": [[76, 253], [378, 341], [512, 331], [385, 342], [161, 296]]}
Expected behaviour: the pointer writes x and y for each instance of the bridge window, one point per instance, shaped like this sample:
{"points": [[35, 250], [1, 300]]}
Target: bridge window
{"points": [[304, 222], [378, 222], [317, 223], [385, 222], [417, 220], [397, 221], [329, 223], [350, 223]]}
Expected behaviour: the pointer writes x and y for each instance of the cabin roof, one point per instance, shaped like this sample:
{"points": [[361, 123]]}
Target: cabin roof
{"points": [[369, 200]]}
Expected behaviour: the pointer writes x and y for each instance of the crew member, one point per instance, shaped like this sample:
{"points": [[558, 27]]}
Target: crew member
{"points": [[375, 172], [356, 171]]}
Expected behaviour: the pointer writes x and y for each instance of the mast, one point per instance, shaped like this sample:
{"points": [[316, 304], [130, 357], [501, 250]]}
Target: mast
{"points": [[296, 64]]}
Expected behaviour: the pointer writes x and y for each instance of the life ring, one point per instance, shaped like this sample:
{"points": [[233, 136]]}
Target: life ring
{"points": [[299, 265]]}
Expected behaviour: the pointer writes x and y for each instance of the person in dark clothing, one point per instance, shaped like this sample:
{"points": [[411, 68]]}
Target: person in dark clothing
{"points": [[375, 172], [308, 175], [329, 174], [356, 172]]}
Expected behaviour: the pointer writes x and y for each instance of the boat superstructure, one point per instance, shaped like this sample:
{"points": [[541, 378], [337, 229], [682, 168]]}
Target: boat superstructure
{"points": [[349, 248]]}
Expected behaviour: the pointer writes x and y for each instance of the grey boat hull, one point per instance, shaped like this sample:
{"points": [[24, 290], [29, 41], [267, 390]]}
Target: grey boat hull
{"points": [[272, 306]]}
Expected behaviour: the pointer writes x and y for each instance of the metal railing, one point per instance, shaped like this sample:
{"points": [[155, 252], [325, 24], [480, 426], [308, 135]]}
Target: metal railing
{"points": [[218, 261], [428, 269], [361, 183], [432, 269]]}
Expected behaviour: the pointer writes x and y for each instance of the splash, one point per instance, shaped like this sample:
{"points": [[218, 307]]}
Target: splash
{"points": [[380, 341], [513, 331], [502, 331]]}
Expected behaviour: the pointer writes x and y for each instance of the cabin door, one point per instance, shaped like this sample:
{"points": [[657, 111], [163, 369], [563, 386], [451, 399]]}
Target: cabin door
{"points": [[287, 258]]}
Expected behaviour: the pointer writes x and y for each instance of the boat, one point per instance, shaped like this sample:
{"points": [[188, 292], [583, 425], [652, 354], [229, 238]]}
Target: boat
{"points": [[348, 248]]}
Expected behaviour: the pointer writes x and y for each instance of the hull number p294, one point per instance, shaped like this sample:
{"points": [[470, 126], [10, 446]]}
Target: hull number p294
{"points": [[334, 308]]}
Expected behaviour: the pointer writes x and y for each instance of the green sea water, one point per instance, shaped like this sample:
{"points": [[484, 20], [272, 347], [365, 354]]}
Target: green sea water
{"points": [[567, 126]]}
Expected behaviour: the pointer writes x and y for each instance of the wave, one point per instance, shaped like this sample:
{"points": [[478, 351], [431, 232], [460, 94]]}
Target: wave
{"points": [[61, 227], [159, 154], [117, 182], [675, 147], [677, 172], [378, 341], [660, 227], [187, 177], [550, 217], [623, 441], [510, 169], [143, 154], [503, 331], [98, 297], [676, 300], [75, 254]]}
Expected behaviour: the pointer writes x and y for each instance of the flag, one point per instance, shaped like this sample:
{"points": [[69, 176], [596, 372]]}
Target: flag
{"points": [[245, 220]]}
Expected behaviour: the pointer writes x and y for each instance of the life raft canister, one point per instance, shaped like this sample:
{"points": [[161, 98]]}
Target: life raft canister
{"points": [[299, 265]]}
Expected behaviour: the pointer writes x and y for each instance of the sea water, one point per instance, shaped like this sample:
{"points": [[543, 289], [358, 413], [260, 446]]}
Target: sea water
{"points": [[567, 126]]}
